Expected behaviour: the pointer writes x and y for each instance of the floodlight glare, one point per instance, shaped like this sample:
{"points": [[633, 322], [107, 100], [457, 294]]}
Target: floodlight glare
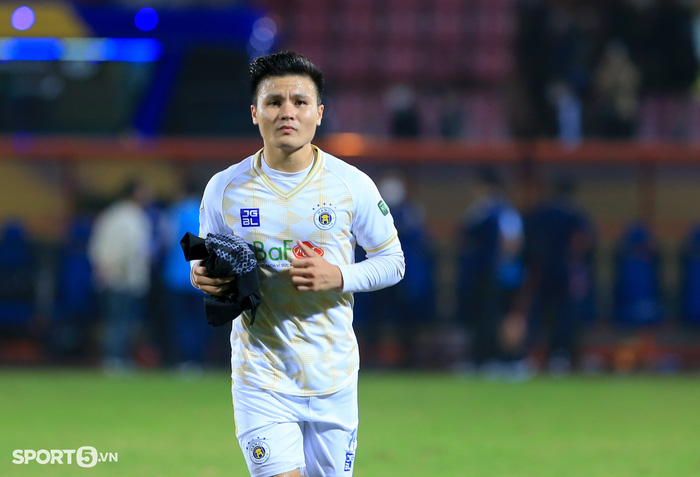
{"points": [[22, 18], [146, 19]]}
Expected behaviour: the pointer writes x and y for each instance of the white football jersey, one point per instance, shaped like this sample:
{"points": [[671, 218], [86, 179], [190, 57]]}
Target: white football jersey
{"points": [[302, 343]]}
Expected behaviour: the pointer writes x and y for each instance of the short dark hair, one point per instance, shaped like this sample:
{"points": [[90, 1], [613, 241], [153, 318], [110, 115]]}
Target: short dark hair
{"points": [[284, 63]]}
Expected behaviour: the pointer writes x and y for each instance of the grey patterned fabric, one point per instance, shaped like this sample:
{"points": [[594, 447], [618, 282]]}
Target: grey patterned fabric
{"points": [[226, 256], [230, 254]]}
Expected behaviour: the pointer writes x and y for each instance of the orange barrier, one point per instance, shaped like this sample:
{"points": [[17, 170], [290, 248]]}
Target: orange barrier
{"points": [[429, 151], [645, 183]]}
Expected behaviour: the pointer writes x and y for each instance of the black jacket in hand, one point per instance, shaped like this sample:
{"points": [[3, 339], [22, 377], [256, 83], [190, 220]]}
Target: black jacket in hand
{"points": [[226, 255]]}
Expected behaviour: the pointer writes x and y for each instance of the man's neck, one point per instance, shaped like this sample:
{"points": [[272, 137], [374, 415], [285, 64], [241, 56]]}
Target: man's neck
{"points": [[289, 161]]}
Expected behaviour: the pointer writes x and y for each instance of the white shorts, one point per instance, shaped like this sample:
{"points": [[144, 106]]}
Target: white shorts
{"points": [[279, 433]]}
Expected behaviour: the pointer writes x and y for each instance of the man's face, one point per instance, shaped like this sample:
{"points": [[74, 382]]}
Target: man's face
{"points": [[287, 111]]}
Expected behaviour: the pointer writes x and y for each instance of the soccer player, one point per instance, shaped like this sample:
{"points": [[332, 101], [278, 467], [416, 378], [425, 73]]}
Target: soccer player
{"points": [[295, 369]]}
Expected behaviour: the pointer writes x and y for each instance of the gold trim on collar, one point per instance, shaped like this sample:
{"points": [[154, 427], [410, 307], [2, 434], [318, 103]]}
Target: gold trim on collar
{"points": [[257, 166]]}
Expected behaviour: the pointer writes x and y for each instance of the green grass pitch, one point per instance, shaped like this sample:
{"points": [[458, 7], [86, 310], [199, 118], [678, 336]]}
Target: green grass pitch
{"points": [[159, 424]]}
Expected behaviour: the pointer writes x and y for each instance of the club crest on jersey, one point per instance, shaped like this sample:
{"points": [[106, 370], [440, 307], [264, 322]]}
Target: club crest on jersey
{"points": [[324, 218], [259, 451], [250, 217]]}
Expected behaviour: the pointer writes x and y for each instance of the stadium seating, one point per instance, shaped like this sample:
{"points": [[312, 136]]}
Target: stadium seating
{"points": [[638, 294], [439, 44]]}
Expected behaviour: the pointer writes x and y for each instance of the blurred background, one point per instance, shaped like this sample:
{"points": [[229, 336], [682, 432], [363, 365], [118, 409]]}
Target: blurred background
{"points": [[541, 160]]}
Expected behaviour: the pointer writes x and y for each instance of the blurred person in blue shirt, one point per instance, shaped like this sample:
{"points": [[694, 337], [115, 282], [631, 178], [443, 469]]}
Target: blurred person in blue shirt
{"points": [[390, 320], [559, 255], [75, 299], [689, 290], [189, 324], [17, 277], [490, 271]]}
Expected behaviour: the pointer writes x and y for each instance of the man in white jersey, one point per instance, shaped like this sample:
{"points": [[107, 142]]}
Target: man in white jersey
{"points": [[295, 369]]}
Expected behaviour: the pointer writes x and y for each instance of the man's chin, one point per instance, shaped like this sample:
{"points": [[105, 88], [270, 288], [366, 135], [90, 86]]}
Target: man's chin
{"points": [[290, 146]]}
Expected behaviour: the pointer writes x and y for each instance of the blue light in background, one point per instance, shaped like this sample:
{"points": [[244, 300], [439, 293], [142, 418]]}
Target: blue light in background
{"points": [[146, 19], [134, 50], [22, 18], [31, 49]]}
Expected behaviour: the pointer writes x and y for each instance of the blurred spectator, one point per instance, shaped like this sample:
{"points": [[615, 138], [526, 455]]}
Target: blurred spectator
{"points": [[532, 64], [120, 252], [598, 62], [156, 341], [76, 303], [661, 43], [689, 283], [573, 31], [490, 268], [660, 40], [405, 121], [555, 50], [559, 258], [18, 267], [638, 294], [572, 36], [451, 115], [389, 321], [569, 114], [188, 324], [616, 94]]}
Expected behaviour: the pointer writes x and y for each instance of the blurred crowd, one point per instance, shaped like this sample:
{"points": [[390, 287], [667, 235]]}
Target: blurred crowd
{"points": [[526, 290], [600, 69], [624, 69], [116, 291], [482, 70]]}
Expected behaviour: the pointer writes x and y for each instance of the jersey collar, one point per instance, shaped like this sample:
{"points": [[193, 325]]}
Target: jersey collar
{"points": [[318, 163]]}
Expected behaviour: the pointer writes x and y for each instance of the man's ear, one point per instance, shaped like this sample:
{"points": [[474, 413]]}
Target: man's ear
{"points": [[320, 114], [254, 114]]}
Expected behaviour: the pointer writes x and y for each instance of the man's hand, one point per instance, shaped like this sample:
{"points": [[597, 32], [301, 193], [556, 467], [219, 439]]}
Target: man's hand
{"points": [[209, 285], [314, 273]]}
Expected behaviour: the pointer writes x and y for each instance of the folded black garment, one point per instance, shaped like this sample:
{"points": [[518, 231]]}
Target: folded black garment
{"points": [[226, 255]]}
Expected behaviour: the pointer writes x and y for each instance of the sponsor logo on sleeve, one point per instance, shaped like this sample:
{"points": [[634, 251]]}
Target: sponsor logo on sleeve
{"points": [[383, 207]]}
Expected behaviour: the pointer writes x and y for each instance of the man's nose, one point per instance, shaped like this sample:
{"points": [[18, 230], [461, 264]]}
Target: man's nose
{"points": [[287, 110]]}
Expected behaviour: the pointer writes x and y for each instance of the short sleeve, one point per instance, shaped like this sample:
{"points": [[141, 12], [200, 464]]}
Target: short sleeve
{"points": [[211, 218]]}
